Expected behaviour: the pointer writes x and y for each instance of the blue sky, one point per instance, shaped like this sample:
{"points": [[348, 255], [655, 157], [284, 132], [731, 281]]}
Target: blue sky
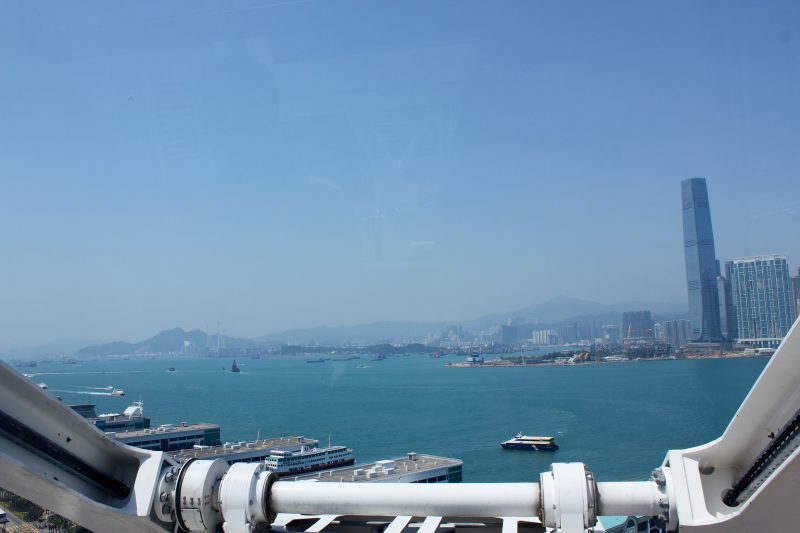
{"points": [[285, 164]]}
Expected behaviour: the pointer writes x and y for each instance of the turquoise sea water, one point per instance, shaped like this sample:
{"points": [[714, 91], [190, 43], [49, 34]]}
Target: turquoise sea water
{"points": [[620, 419]]}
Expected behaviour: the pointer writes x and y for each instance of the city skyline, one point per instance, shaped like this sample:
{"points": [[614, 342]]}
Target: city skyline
{"points": [[287, 165]]}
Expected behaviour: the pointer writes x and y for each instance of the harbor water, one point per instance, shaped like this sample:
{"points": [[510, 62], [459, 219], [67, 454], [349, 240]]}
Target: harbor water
{"points": [[620, 419]]}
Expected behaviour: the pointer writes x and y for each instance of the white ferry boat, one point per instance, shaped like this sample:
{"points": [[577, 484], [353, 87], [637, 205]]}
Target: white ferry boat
{"points": [[308, 459], [526, 442]]}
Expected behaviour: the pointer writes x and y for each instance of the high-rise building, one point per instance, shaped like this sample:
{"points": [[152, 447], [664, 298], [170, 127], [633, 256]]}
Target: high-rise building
{"points": [[637, 325], [525, 331], [762, 293], [677, 332], [610, 332], [546, 337], [568, 333], [796, 293], [508, 334], [702, 267], [727, 309]]}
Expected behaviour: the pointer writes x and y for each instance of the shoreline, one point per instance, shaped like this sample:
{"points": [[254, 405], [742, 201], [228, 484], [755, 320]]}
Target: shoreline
{"points": [[500, 363]]}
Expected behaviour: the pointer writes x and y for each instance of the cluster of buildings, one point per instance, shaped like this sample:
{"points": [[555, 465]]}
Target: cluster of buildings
{"points": [[295, 458], [751, 301]]}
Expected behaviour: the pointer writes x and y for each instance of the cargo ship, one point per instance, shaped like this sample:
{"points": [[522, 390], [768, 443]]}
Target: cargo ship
{"points": [[526, 442]]}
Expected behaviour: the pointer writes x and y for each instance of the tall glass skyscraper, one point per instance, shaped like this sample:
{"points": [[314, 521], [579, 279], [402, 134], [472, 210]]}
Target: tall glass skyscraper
{"points": [[763, 295], [701, 262]]}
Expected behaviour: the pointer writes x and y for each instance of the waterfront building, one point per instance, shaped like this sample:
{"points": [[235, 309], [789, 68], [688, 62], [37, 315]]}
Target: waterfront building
{"points": [[796, 293], [677, 332], [131, 418], [589, 330], [247, 452], [568, 333], [762, 292], [508, 334], [414, 468], [658, 331], [610, 332], [637, 326], [171, 437], [546, 337], [524, 331], [702, 268], [86, 410], [727, 309]]}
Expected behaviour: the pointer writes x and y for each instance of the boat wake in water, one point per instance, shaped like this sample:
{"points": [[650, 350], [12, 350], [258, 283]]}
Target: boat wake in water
{"points": [[81, 373], [88, 392]]}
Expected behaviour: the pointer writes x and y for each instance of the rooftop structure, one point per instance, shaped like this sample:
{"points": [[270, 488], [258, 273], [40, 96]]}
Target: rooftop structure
{"points": [[86, 410], [131, 418], [171, 437], [413, 468], [246, 451]]}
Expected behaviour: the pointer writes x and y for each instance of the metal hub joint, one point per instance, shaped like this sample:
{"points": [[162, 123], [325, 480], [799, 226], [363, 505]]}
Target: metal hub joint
{"points": [[569, 498]]}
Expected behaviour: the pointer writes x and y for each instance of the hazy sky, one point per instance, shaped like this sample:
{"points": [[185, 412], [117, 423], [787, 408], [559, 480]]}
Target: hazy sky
{"points": [[284, 164]]}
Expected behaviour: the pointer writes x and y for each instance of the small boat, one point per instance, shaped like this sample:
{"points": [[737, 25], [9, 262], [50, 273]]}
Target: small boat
{"points": [[235, 368], [171, 369], [320, 360], [42, 385], [526, 442], [378, 358], [117, 392]]}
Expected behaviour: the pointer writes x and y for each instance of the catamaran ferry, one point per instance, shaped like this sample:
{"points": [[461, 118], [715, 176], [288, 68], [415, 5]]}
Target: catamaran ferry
{"points": [[526, 442], [285, 463]]}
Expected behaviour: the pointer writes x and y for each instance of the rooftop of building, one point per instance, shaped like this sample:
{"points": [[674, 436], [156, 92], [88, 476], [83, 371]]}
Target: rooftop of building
{"points": [[275, 443], [766, 257], [164, 429], [411, 463]]}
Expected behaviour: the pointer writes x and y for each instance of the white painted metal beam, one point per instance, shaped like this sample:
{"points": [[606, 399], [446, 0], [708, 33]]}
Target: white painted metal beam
{"points": [[406, 499]]}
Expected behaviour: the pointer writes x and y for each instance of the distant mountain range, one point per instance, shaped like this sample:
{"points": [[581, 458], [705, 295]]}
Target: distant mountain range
{"points": [[167, 341], [559, 310]]}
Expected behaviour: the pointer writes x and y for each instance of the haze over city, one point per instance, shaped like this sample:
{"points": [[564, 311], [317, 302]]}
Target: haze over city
{"points": [[289, 165]]}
